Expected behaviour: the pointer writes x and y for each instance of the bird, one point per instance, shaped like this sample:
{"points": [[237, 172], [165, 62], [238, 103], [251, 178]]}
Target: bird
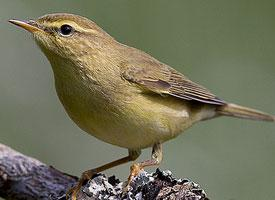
{"points": [[122, 95]]}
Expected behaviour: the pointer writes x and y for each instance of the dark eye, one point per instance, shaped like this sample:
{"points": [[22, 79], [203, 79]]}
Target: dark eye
{"points": [[66, 30]]}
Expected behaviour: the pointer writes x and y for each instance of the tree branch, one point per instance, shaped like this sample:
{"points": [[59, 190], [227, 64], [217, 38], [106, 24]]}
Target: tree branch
{"points": [[23, 177]]}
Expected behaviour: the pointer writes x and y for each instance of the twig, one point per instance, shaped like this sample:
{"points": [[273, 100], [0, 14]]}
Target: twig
{"points": [[23, 177]]}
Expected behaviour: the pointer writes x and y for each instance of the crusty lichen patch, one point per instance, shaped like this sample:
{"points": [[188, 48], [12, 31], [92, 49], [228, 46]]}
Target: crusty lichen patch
{"points": [[160, 185]]}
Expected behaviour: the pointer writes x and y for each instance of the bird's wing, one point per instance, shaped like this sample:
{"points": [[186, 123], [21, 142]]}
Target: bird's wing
{"points": [[160, 78]]}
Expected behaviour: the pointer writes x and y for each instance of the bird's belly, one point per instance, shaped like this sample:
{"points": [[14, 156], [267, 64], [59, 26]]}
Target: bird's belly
{"points": [[135, 124], [135, 132]]}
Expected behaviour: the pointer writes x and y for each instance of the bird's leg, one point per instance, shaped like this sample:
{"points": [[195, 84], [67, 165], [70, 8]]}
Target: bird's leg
{"points": [[133, 155], [156, 158]]}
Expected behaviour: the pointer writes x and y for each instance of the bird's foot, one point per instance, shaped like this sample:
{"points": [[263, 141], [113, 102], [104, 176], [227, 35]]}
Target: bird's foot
{"points": [[134, 171], [73, 192]]}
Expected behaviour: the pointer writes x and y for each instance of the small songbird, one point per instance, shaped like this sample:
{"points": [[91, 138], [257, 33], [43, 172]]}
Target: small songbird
{"points": [[122, 95]]}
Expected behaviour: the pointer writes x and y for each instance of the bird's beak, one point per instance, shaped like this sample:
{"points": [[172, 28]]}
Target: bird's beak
{"points": [[30, 25]]}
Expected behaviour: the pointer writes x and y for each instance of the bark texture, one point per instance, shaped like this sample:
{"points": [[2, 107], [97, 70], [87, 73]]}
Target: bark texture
{"points": [[23, 177]]}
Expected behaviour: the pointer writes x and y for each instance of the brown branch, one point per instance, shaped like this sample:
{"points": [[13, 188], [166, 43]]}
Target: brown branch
{"points": [[23, 177]]}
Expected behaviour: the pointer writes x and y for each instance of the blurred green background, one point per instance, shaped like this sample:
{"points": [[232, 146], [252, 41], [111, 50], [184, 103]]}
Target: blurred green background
{"points": [[228, 46]]}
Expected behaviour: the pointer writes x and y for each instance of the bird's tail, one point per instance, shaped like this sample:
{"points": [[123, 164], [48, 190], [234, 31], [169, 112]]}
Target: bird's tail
{"points": [[234, 110]]}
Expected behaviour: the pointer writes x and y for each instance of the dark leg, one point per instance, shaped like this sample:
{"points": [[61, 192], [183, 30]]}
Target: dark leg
{"points": [[156, 158], [133, 155]]}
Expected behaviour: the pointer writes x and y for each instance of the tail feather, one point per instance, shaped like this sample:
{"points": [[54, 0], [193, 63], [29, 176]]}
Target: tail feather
{"points": [[243, 112]]}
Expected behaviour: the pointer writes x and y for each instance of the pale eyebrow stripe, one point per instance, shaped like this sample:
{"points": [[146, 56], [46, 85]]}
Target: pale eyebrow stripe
{"points": [[71, 23]]}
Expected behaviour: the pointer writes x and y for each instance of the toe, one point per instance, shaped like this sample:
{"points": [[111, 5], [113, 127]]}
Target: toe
{"points": [[135, 169]]}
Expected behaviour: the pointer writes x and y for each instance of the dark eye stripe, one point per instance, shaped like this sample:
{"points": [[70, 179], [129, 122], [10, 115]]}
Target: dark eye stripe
{"points": [[49, 29], [54, 29]]}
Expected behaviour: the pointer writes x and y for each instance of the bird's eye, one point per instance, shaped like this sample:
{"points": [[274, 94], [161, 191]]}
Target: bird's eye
{"points": [[66, 30]]}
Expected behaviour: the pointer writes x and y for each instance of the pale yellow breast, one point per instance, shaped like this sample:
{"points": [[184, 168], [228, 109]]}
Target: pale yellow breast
{"points": [[118, 112], [132, 121]]}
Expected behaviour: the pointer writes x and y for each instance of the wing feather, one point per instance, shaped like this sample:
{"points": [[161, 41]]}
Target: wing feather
{"points": [[162, 79]]}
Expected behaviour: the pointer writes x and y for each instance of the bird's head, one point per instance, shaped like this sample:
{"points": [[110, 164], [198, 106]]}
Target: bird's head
{"points": [[65, 35]]}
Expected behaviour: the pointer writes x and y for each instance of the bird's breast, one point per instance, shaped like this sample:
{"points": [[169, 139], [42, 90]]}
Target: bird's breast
{"points": [[121, 114]]}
